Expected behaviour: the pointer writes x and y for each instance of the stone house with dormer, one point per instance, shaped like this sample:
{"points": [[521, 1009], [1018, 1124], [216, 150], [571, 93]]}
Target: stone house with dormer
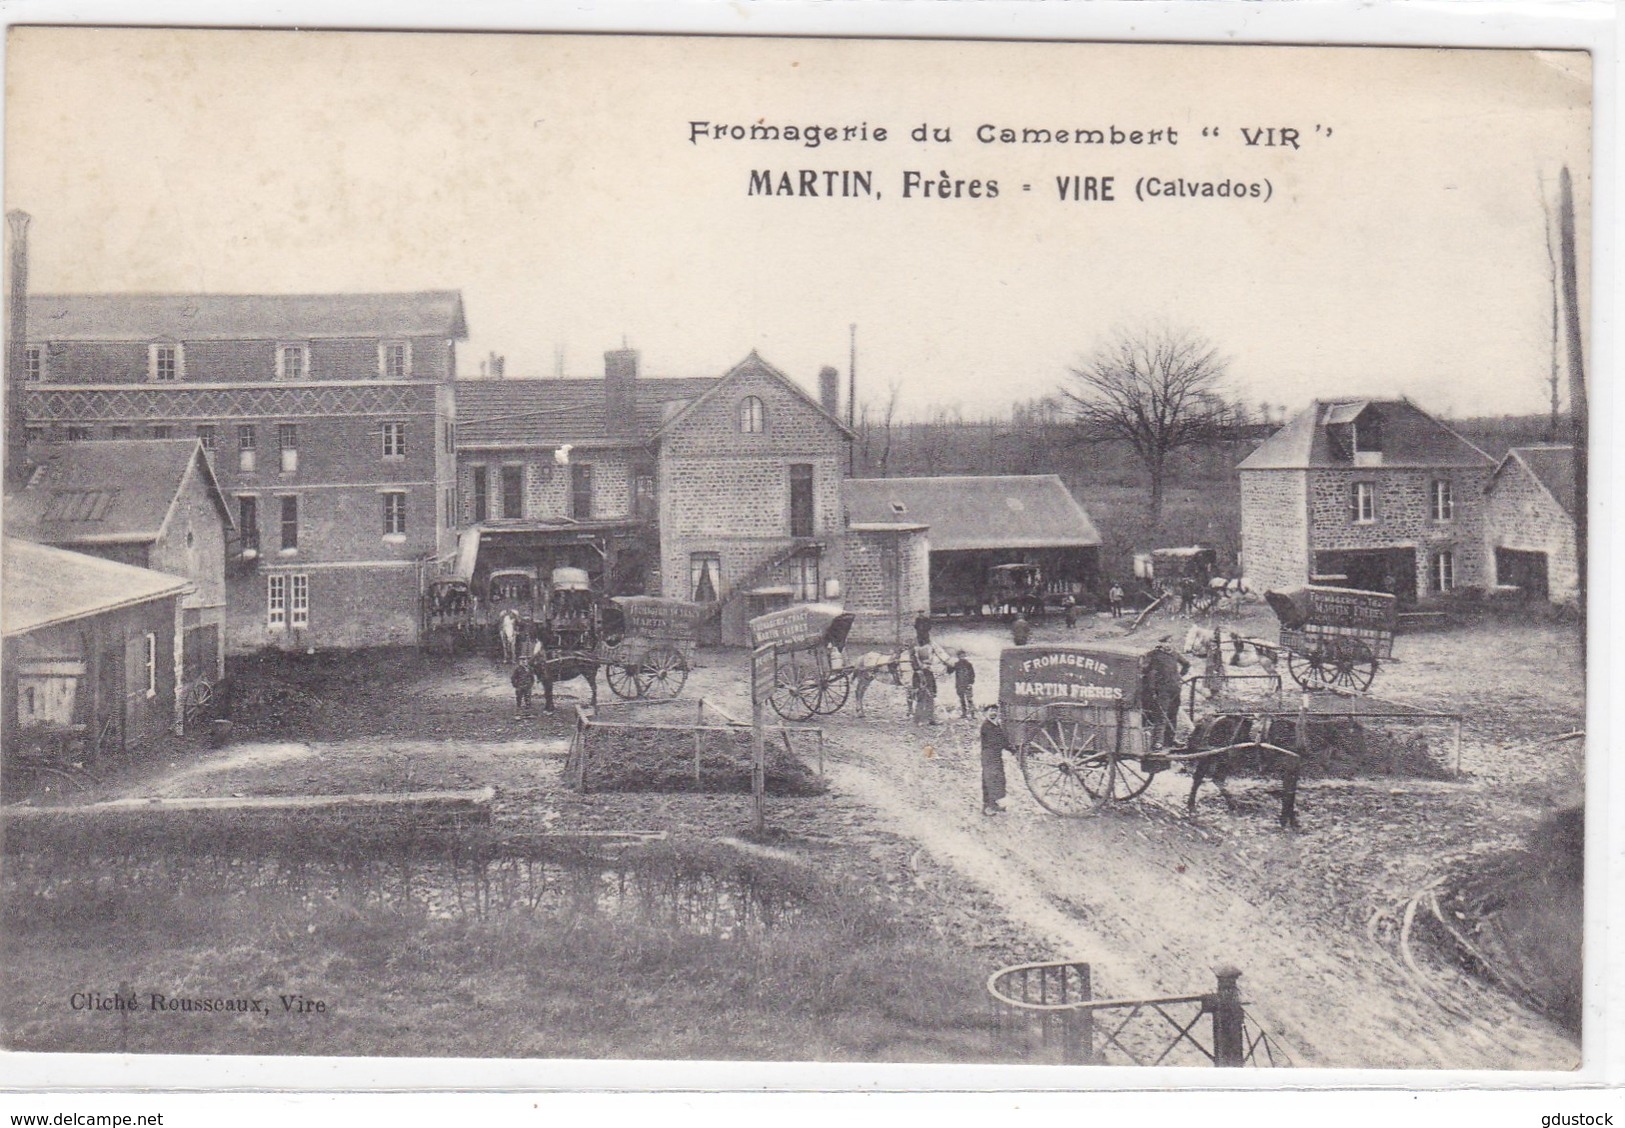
{"points": [[1373, 494]]}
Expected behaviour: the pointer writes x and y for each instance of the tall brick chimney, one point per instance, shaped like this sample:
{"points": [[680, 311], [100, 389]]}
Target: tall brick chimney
{"points": [[17, 348], [621, 393], [829, 390]]}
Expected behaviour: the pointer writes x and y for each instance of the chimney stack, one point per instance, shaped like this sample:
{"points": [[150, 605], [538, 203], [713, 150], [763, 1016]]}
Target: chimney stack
{"points": [[621, 393], [17, 349], [829, 390]]}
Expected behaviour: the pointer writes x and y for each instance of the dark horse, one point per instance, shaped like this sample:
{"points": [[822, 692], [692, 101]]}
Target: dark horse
{"points": [[559, 655], [1276, 741]]}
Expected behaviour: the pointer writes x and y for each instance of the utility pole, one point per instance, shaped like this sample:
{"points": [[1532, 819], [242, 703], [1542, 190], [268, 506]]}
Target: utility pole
{"points": [[1577, 385], [852, 400], [16, 348]]}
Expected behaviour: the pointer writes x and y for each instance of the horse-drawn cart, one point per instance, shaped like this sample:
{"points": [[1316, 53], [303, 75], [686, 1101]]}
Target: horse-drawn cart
{"points": [[1186, 575], [804, 638], [1334, 638], [651, 659], [1093, 725]]}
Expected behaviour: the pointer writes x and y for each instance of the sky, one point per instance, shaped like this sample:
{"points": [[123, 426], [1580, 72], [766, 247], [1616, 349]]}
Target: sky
{"points": [[556, 182]]}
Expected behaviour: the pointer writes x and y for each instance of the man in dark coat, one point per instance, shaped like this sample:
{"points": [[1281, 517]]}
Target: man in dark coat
{"points": [[965, 685], [524, 680], [994, 745], [1165, 671], [922, 629], [925, 686]]}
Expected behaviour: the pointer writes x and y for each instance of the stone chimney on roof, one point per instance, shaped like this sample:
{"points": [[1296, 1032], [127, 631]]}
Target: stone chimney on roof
{"points": [[621, 394], [829, 390]]}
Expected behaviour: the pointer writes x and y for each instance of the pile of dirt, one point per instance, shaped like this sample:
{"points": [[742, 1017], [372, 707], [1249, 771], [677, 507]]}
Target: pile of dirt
{"points": [[649, 757], [1515, 917]]}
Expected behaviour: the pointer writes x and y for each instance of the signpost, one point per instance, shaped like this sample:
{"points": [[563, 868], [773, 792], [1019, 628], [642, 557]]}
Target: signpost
{"points": [[763, 664]]}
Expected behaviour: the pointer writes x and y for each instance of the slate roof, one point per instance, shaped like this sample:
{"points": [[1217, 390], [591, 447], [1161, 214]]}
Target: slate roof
{"points": [[108, 492], [43, 586], [1552, 465], [244, 317], [1015, 511], [1410, 437], [546, 412]]}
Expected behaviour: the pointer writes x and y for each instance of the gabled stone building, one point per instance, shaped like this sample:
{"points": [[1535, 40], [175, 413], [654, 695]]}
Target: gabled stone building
{"points": [[1529, 527], [1372, 494]]}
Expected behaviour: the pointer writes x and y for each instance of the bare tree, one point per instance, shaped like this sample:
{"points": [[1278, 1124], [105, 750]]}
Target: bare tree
{"points": [[1156, 389], [886, 414]]}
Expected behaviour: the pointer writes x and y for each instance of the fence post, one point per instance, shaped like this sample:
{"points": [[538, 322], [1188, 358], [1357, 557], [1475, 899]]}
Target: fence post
{"points": [[1078, 1026], [1228, 1040]]}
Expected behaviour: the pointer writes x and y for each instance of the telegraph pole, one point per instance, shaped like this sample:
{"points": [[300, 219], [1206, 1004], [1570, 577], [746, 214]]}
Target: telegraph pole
{"points": [[1577, 382], [16, 347], [852, 400]]}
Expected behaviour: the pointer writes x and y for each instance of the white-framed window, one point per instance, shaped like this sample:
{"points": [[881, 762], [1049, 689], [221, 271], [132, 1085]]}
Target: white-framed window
{"points": [[34, 363], [1363, 504], [151, 653], [395, 360], [247, 440], [206, 436], [704, 576], [287, 445], [752, 416], [166, 362], [1444, 571], [804, 579], [289, 522], [394, 513], [276, 601], [1443, 500], [394, 440], [298, 600], [292, 362]]}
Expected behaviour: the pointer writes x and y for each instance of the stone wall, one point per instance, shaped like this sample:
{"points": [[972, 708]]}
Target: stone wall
{"points": [[1522, 514], [547, 484], [886, 580], [1274, 529], [1403, 517]]}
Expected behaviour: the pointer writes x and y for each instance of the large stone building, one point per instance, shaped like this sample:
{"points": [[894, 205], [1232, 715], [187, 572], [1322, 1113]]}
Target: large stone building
{"points": [[328, 420], [1372, 494], [1529, 526], [150, 503]]}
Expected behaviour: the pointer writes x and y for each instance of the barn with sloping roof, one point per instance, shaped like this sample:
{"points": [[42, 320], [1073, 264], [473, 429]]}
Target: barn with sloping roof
{"points": [[1529, 523], [990, 537]]}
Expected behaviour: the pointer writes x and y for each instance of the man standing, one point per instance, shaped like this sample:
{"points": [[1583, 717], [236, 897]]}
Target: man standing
{"points": [[524, 680], [1115, 597], [1165, 671], [965, 685], [922, 629], [994, 745], [925, 687], [1070, 607], [1021, 630]]}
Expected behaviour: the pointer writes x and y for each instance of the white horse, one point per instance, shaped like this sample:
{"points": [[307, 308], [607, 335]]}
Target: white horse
{"points": [[508, 631]]}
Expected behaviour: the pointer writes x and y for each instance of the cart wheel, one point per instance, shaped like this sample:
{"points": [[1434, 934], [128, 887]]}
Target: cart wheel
{"points": [[1110, 775], [795, 699], [1204, 600], [1307, 669], [662, 674], [198, 696], [623, 681], [1351, 665], [834, 695], [1053, 763]]}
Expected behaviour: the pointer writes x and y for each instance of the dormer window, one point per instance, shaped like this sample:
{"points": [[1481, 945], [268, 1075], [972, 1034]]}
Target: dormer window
{"points": [[292, 362], [394, 360], [165, 362], [752, 416]]}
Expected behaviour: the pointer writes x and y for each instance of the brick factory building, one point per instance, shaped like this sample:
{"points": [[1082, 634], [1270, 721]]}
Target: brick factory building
{"points": [[328, 420], [1530, 523], [1372, 494]]}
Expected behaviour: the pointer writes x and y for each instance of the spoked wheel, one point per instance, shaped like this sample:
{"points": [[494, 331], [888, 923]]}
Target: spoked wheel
{"points": [[1204, 600], [1350, 665], [623, 680], [662, 674], [795, 698], [199, 695], [1053, 763], [1110, 775], [1309, 669], [834, 695]]}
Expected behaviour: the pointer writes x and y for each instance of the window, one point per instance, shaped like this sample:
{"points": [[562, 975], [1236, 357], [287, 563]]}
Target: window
{"points": [[1444, 572], [164, 363], [394, 440], [205, 435], [752, 416], [804, 578], [118, 432], [163, 431], [292, 362], [479, 494], [801, 500], [1443, 500], [299, 600], [287, 445], [290, 524], [450, 437], [704, 576], [248, 523], [581, 490], [394, 513], [246, 440], [34, 363], [394, 360], [276, 602], [33, 434], [1364, 503], [513, 491], [78, 434], [152, 664]]}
